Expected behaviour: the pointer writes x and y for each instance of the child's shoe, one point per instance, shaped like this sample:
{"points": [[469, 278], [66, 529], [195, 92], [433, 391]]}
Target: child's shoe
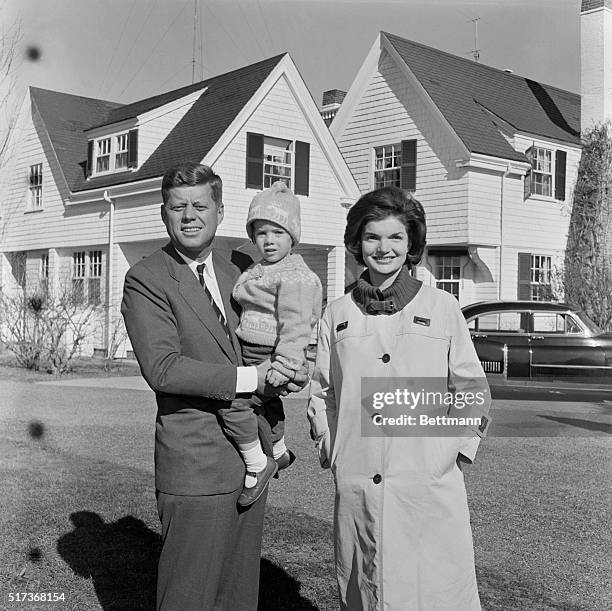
{"points": [[249, 495]]}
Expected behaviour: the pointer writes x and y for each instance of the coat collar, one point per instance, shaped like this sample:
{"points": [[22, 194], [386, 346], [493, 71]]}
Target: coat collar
{"points": [[191, 291]]}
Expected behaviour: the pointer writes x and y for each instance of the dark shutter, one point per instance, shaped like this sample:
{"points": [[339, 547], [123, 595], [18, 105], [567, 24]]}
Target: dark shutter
{"points": [[90, 148], [133, 148], [527, 183], [560, 162], [409, 162], [302, 167], [524, 275], [254, 161]]}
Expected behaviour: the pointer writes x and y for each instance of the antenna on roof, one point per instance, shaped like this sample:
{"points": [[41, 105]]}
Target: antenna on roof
{"points": [[476, 51], [197, 44]]}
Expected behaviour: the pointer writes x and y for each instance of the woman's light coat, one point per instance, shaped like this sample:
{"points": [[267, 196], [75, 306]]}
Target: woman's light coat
{"points": [[402, 532]]}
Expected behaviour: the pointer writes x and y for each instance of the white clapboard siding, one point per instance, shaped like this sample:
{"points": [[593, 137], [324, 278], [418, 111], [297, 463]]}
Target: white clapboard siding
{"points": [[138, 218], [56, 224], [391, 110], [316, 259]]}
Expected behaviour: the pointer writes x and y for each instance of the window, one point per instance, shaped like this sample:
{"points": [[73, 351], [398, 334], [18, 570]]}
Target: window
{"points": [[447, 270], [395, 165], [554, 322], [269, 159], [500, 322], [94, 294], [541, 278], [547, 175], [44, 273], [113, 153], [387, 166], [103, 155], [78, 276], [278, 161], [35, 181], [121, 151], [534, 277], [87, 277]]}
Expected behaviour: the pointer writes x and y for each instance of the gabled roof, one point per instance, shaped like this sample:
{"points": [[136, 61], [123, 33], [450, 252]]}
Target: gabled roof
{"points": [[191, 139], [66, 117], [473, 98], [462, 88]]}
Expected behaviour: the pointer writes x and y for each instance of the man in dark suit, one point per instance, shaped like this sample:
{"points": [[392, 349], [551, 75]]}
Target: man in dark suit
{"points": [[180, 319]]}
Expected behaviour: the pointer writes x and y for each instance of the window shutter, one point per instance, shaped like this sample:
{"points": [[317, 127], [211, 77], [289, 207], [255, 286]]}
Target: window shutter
{"points": [[302, 167], [90, 150], [527, 184], [409, 162], [133, 149], [524, 275], [560, 162], [254, 161]]}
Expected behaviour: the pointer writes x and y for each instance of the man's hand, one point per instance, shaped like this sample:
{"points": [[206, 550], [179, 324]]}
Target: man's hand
{"points": [[300, 379], [263, 388]]}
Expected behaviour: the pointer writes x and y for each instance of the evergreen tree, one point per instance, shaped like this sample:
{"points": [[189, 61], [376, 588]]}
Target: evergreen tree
{"points": [[588, 256]]}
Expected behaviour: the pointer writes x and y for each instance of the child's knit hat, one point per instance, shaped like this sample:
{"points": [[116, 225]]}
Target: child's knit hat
{"points": [[279, 205]]}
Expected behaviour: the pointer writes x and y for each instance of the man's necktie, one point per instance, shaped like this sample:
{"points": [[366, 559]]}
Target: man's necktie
{"points": [[215, 307]]}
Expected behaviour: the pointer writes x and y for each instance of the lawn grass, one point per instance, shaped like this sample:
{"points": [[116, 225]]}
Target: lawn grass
{"points": [[77, 510]]}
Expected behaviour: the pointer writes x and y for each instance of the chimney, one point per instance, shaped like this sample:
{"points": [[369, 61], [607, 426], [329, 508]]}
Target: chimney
{"points": [[595, 62], [332, 100]]}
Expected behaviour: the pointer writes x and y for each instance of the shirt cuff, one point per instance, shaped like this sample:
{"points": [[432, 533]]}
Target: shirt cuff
{"points": [[246, 379]]}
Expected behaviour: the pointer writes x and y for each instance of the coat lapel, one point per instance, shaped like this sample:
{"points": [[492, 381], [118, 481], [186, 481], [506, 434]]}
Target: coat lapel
{"points": [[226, 280], [191, 291]]}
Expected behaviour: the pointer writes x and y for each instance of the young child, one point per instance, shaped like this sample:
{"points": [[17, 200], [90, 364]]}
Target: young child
{"points": [[281, 303]]}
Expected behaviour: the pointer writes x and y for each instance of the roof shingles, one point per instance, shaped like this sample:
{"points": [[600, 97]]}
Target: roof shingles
{"points": [[67, 118], [461, 88]]}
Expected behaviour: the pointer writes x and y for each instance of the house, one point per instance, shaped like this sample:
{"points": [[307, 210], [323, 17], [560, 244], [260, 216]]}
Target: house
{"points": [[492, 156], [81, 192]]}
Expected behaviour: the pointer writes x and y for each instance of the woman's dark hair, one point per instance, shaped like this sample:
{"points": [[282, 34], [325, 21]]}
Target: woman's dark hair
{"points": [[380, 204], [190, 174]]}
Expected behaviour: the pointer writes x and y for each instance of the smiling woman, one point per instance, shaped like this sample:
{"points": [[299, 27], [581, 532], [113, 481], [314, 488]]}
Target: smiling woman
{"points": [[401, 520]]}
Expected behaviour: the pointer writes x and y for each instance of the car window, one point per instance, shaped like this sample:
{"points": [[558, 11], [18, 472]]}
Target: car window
{"points": [[590, 325], [554, 322], [501, 322]]}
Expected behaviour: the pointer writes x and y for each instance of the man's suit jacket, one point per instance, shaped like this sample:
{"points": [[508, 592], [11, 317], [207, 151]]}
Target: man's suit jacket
{"points": [[188, 360]]}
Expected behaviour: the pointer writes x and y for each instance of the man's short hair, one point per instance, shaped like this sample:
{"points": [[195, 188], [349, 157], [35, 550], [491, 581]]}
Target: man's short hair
{"points": [[190, 174], [378, 205]]}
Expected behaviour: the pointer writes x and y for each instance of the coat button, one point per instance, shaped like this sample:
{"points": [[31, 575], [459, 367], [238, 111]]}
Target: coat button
{"points": [[386, 358], [377, 478]]}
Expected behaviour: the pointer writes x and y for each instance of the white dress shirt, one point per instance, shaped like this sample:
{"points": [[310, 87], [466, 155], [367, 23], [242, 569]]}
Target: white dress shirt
{"points": [[246, 377]]}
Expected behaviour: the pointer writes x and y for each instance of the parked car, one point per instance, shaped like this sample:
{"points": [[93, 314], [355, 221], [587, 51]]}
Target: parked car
{"points": [[538, 338]]}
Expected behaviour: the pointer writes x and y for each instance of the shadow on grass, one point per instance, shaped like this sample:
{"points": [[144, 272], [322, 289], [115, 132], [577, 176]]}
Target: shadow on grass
{"points": [[279, 591], [121, 559], [588, 425], [500, 592]]}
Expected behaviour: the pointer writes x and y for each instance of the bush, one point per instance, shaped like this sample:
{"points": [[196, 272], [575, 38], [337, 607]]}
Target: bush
{"points": [[44, 331]]}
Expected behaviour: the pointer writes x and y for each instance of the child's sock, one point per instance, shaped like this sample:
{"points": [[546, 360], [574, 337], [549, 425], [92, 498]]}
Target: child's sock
{"points": [[279, 448], [254, 459]]}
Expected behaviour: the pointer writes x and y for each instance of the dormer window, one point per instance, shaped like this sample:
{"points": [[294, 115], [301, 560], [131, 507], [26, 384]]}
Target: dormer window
{"points": [[115, 153], [121, 151], [103, 155]]}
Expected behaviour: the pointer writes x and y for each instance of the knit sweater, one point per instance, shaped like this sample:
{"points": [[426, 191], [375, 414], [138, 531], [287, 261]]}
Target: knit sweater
{"points": [[281, 304]]}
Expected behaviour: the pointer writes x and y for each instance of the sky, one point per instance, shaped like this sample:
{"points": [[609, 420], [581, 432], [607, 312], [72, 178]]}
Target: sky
{"points": [[127, 50]]}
